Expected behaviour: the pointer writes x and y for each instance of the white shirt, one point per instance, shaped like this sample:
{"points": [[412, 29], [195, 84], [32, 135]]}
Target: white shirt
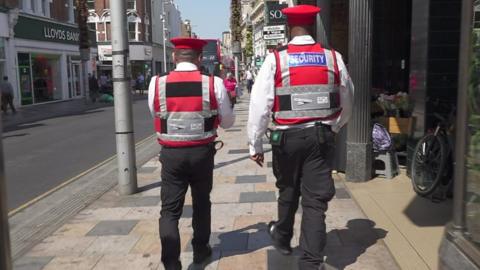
{"points": [[248, 75], [263, 94], [225, 111]]}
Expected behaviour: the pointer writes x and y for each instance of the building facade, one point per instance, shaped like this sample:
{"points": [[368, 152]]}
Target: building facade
{"points": [[165, 14], [139, 21], [39, 51]]}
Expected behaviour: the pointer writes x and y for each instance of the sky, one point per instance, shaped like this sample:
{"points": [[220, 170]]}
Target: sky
{"points": [[209, 18]]}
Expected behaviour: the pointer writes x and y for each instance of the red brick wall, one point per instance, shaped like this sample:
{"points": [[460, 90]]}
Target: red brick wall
{"points": [[9, 3], [58, 10]]}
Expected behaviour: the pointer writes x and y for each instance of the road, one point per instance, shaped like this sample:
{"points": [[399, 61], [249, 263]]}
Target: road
{"points": [[43, 154]]}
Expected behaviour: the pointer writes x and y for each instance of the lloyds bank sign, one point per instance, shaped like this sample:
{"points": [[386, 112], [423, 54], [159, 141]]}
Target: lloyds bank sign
{"points": [[42, 30]]}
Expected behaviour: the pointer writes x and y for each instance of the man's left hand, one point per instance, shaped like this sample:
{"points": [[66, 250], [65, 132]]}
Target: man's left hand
{"points": [[258, 158]]}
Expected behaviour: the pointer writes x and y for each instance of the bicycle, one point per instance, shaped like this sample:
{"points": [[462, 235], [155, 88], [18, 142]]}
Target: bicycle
{"points": [[432, 162]]}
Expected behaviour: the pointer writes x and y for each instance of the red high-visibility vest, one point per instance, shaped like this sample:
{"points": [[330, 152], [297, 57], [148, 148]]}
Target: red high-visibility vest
{"points": [[186, 109], [307, 84]]}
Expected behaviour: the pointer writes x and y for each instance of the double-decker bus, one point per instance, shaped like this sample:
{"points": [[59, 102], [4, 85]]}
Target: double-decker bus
{"points": [[212, 60]]}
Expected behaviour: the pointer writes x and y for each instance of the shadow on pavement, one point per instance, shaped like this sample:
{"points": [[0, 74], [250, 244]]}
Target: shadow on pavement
{"points": [[149, 187], [354, 241], [15, 135], [230, 162], [425, 213], [238, 242]]}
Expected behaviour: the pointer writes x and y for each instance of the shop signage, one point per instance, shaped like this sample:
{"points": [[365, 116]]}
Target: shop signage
{"points": [[274, 14], [36, 29], [105, 52], [274, 32]]}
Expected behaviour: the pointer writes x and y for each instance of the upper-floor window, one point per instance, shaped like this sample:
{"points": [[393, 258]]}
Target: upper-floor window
{"points": [[91, 4], [133, 27], [131, 4]]}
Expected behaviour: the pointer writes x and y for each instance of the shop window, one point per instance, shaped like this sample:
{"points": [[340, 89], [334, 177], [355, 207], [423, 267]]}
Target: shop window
{"points": [[472, 196], [476, 22], [131, 4], [91, 4], [25, 78], [39, 78], [2, 49], [133, 27]]}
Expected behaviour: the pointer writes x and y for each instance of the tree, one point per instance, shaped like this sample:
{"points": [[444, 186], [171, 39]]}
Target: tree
{"points": [[236, 20], [84, 42], [249, 42]]}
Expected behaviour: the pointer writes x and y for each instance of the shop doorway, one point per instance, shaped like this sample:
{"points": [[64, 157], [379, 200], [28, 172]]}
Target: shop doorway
{"points": [[76, 80]]}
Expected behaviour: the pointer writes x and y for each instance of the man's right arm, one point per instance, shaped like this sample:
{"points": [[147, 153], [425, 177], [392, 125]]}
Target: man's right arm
{"points": [[261, 103]]}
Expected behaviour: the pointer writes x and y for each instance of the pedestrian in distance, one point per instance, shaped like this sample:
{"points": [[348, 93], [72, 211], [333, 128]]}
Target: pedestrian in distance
{"points": [[231, 86], [249, 79], [93, 87], [187, 107], [6, 89], [307, 90]]}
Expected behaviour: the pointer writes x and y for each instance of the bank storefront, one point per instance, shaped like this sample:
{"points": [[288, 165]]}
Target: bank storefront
{"points": [[48, 61]]}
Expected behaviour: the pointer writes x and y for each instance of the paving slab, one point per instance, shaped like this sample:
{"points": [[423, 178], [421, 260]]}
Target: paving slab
{"points": [[113, 227], [239, 151], [261, 196], [245, 179], [31, 263]]}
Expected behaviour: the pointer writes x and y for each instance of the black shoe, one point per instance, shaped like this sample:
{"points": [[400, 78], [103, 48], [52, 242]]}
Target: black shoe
{"points": [[173, 266], [200, 255], [281, 246]]}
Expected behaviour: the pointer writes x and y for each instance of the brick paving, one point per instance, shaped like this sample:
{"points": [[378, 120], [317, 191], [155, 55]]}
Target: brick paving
{"points": [[121, 232]]}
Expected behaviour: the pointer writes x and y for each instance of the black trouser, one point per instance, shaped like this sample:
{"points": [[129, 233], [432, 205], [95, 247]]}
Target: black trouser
{"points": [[302, 167], [182, 167], [7, 100]]}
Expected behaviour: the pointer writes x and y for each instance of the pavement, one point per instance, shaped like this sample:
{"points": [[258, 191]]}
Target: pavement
{"points": [[416, 225], [121, 232], [45, 145]]}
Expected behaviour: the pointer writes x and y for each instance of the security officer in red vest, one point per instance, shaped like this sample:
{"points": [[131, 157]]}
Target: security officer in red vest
{"points": [[307, 91], [187, 106]]}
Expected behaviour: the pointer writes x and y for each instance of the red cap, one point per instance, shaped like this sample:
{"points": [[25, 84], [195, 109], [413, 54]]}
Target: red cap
{"points": [[301, 14], [188, 43]]}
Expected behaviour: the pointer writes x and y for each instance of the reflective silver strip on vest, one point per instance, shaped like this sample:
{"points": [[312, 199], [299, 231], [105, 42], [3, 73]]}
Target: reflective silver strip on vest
{"points": [[310, 101], [322, 113], [189, 126], [186, 126], [162, 95], [187, 115], [187, 138], [281, 91], [206, 94], [285, 69], [331, 66]]}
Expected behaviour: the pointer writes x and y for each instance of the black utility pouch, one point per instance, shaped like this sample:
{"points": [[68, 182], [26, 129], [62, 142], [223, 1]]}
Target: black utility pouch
{"points": [[276, 137], [321, 134]]}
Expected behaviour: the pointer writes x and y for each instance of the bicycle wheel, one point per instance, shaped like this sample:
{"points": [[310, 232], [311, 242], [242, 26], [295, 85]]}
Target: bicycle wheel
{"points": [[428, 164]]}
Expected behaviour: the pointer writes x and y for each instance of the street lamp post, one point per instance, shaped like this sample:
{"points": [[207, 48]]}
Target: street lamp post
{"points": [[127, 171]]}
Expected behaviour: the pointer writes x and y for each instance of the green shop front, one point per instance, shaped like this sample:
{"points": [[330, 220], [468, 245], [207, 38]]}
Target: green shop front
{"points": [[48, 61]]}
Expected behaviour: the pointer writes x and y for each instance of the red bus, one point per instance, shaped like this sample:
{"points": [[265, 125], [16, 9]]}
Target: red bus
{"points": [[212, 58]]}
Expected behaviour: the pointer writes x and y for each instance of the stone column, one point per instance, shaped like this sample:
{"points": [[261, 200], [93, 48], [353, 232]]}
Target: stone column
{"points": [[359, 145]]}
